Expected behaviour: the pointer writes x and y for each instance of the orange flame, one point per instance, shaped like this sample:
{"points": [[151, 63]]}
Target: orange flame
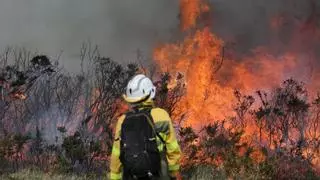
{"points": [[196, 58], [19, 95], [190, 12]]}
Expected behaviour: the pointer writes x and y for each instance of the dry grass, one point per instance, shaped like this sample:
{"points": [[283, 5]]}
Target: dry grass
{"points": [[38, 175]]}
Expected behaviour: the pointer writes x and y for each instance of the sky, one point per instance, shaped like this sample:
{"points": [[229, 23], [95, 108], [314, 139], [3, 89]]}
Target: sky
{"points": [[119, 28]]}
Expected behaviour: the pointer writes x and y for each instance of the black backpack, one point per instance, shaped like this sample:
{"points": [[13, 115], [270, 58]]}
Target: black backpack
{"points": [[139, 152]]}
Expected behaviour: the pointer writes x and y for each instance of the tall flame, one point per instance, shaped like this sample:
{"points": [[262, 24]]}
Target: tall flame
{"points": [[197, 57]]}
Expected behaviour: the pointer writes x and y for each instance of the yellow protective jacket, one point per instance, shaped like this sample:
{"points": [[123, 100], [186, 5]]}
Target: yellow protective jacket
{"points": [[163, 125]]}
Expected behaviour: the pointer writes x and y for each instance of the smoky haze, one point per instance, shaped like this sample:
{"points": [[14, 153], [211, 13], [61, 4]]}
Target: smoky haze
{"points": [[118, 27], [248, 22]]}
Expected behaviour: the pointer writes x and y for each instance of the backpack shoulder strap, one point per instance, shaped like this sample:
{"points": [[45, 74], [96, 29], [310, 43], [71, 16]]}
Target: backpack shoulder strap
{"points": [[147, 111]]}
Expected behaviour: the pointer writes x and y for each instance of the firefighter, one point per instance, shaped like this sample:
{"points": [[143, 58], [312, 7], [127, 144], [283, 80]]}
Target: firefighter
{"points": [[140, 93]]}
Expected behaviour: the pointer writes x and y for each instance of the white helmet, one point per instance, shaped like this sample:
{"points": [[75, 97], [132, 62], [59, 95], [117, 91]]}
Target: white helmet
{"points": [[139, 89]]}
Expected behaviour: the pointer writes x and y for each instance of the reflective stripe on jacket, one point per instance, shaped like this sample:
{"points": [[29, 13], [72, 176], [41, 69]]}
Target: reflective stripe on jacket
{"points": [[164, 127]]}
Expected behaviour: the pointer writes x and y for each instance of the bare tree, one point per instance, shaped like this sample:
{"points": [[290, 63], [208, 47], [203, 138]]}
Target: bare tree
{"points": [[242, 108], [169, 97], [313, 130], [284, 112]]}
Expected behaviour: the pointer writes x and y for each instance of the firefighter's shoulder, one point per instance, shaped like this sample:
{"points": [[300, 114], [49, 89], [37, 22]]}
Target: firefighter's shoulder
{"points": [[121, 116], [160, 114], [121, 119]]}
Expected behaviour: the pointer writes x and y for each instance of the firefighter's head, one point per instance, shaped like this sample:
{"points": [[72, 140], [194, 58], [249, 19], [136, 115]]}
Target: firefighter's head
{"points": [[139, 89]]}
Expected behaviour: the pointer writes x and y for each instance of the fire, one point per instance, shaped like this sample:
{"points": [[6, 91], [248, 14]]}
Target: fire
{"points": [[259, 71], [197, 57], [19, 95], [190, 12], [209, 95]]}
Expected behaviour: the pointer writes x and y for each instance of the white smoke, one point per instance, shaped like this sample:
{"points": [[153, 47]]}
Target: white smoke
{"points": [[118, 27]]}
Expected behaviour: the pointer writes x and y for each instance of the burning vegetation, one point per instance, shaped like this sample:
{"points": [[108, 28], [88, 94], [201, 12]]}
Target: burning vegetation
{"points": [[238, 116]]}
